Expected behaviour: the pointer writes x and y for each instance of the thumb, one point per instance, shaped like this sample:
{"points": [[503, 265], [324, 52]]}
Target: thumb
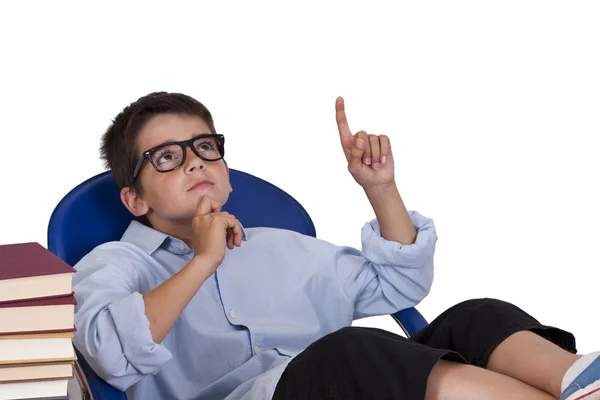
{"points": [[355, 164]]}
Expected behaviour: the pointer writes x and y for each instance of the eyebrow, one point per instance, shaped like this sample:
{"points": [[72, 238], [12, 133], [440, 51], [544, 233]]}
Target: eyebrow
{"points": [[194, 136]]}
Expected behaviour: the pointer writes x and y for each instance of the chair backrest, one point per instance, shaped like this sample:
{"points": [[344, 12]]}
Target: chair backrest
{"points": [[92, 213]]}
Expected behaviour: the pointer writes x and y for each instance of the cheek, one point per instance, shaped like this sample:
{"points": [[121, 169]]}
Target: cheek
{"points": [[163, 192], [222, 177]]}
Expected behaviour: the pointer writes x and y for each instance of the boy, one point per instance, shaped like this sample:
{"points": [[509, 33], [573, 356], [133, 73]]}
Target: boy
{"points": [[190, 305]]}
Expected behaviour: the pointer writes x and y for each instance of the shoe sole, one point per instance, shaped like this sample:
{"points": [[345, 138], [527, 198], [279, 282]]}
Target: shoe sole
{"points": [[591, 392]]}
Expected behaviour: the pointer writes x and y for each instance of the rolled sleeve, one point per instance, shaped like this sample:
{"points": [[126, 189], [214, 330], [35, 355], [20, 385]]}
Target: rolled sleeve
{"points": [[385, 252], [133, 330], [387, 276], [113, 332]]}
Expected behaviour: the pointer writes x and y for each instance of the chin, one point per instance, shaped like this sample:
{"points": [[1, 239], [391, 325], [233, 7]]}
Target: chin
{"points": [[197, 194]]}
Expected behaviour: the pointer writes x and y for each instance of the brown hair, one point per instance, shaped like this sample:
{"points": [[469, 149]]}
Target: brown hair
{"points": [[119, 148]]}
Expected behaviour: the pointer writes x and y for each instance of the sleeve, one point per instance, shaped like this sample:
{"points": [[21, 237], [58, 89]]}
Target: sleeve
{"points": [[386, 276], [112, 331]]}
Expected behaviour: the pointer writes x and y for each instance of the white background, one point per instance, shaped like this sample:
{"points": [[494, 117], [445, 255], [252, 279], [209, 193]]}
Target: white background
{"points": [[492, 108]]}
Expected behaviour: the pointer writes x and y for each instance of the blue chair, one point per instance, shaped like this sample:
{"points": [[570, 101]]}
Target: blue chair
{"points": [[92, 214]]}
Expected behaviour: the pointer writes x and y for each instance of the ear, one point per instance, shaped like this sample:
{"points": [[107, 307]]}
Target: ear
{"points": [[133, 202]]}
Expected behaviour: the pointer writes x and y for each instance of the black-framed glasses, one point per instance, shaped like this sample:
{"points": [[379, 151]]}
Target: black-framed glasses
{"points": [[170, 156]]}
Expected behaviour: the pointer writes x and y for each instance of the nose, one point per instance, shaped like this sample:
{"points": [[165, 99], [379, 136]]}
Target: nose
{"points": [[192, 161]]}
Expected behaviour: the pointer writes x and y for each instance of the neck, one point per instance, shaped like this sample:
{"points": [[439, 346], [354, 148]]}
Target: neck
{"points": [[181, 229]]}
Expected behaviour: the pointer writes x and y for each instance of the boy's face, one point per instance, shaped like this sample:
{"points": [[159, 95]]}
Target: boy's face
{"points": [[170, 197]]}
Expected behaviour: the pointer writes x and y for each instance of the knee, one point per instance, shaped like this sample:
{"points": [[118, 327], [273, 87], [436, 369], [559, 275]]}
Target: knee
{"points": [[482, 307], [481, 302]]}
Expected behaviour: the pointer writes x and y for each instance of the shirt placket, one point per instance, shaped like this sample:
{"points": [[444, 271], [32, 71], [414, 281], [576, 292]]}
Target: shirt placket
{"points": [[234, 314]]}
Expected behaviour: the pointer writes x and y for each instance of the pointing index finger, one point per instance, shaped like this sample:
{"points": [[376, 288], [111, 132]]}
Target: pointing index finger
{"points": [[346, 137], [342, 121]]}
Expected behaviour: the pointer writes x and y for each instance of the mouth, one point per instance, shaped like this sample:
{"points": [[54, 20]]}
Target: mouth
{"points": [[202, 184]]}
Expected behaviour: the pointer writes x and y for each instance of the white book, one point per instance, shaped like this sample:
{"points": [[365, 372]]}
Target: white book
{"points": [[33, 390], [36, 350]]}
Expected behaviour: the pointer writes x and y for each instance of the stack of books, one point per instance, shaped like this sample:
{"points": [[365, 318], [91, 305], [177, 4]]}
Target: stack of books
{"points": [[37, 307]]}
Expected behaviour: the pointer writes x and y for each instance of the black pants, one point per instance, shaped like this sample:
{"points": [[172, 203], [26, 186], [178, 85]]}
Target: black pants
{"points": [[372, 364]]}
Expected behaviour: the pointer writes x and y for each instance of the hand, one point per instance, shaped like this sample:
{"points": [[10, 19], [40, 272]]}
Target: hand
{"points": [[369, 157], [213, 230]]}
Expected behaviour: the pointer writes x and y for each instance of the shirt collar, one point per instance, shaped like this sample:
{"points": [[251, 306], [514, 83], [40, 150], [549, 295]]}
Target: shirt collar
{"points": [[149, 239]]}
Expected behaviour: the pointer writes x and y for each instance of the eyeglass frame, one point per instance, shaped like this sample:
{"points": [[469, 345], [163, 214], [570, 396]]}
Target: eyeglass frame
{"points": [[184, 144]]}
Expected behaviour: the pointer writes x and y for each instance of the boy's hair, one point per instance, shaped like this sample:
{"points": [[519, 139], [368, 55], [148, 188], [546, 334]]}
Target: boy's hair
{"points": [[119, 148]]}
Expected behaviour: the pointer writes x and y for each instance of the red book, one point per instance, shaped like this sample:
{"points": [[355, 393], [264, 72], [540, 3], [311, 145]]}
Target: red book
{"points": [[38, 316], [30, 271]]}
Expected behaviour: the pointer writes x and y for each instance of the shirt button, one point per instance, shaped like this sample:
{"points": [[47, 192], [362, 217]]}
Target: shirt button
{"points": [[181, 246], [256, 349], [232, 314]]}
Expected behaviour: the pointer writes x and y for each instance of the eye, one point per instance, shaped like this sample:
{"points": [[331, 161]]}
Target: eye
{"points": [[163, 158], [166, 156], [206, 145]]}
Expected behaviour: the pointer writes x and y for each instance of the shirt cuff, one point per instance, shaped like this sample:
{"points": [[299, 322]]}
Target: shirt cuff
{"points": [[386, 252], [133, 329]]}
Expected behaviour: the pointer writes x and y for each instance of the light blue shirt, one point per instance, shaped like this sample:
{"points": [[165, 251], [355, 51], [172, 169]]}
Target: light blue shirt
{"points": [[269, 299]]}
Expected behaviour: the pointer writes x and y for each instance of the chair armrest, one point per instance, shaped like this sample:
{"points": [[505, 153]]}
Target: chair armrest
{"points": [[410, 320], [99, 388]]}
